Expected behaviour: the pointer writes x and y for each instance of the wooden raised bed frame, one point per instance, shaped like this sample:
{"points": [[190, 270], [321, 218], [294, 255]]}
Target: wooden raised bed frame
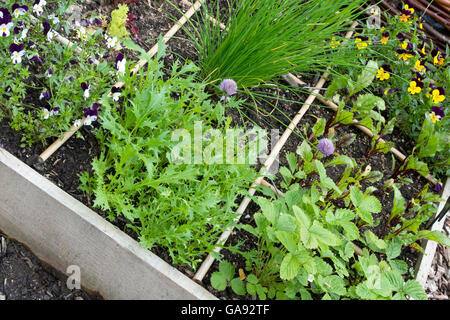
{"points": [[61, 231]]}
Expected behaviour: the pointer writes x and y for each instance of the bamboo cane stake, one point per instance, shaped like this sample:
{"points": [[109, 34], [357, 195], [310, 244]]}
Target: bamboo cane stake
{"points": [[294, 80], [73, 129], [209, 260]]}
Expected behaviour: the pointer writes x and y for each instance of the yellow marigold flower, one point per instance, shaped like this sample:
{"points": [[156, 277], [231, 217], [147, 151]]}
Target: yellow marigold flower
{"points": [[413, 88]]}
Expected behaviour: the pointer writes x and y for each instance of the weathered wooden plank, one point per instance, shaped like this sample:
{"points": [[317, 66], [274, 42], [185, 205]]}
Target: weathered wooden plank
{"points": [[61, 231], [425, 261]]}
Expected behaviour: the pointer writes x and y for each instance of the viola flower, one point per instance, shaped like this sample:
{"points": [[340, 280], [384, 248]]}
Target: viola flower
{"points": [[406, 46], [47, 32], [97, 21], [383, 72], [5, 16], [44, 95], [361, 42], [54, 18], [415, 86], [406, 15], [390, 91], [435, 118], [54, 111], [77, 123], [334, 43], [438, 187], [91, 114], [16, 52], [86, 88], [38, 6], [438, 111], [115, 93], [5, 29], [385, 37], [375, 40], [405, 55], [326, 147], [438, 58], [420, 65], [111, 42], [438, 94], [120, 64], [401, 36], [38, 59], [18, 10], [45, 113]]}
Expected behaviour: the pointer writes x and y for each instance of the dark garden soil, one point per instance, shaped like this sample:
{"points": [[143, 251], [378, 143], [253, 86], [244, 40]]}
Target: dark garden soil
{"points": [[66, 165], [25, 277]]}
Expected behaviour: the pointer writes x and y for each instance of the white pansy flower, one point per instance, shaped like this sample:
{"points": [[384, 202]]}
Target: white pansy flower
{"points": [[45, 113], [77, 123]]}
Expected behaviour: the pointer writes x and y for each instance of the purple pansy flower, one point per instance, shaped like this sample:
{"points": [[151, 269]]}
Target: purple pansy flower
{"points": [[5, 16], [86, 88], [438, 187], [439, 111], [326, 147], [46, 26], [91, 114], [18, 10], [17, 52], [44, 95]]}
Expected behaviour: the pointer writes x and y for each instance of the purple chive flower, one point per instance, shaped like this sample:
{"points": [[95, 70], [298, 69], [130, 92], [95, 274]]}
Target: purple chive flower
{"points": [[326, 147], [438, 187], [439, 111], [229, 86]]}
